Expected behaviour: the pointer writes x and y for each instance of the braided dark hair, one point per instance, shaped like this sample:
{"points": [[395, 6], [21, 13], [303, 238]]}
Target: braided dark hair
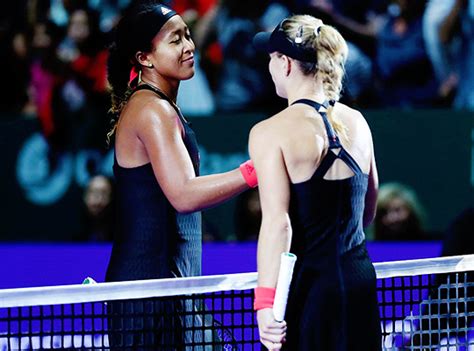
{"points": [[134, 33]]}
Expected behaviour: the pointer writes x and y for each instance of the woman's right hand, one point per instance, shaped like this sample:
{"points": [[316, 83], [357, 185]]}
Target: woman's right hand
{"points": [[272, 333]]}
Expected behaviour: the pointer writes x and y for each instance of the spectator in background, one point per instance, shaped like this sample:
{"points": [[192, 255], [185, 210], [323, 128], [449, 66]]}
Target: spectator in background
{"points": [[109, 11], [445, 53], [402, 64], [97, 222], [195, 96], [16, 19], [82, 100], [399, 214], [448, 29], [243, 80], [47, 72], [359, 21], [14, 55], [192, 10], [458, 239], [205, 39], [465, 95]]}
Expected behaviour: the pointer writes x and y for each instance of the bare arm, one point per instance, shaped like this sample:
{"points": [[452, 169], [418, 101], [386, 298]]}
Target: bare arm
{"points": [[275, 231], [371, 195], [158, 129], [447, 27], [205, 26], [366, 31]]}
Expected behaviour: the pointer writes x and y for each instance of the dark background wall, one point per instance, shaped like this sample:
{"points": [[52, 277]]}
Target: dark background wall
{"points": [[432, 151]]}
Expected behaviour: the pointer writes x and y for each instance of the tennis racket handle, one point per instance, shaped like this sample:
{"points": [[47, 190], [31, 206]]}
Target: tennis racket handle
{"points": [[88, 281], [285, 274]]}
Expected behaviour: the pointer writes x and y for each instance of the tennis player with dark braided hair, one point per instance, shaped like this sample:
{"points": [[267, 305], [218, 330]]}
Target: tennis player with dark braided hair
{"points": [[317, 186], [159, 190]]}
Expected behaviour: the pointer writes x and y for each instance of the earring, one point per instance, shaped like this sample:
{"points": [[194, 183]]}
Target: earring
{"points": [[150, 65]]}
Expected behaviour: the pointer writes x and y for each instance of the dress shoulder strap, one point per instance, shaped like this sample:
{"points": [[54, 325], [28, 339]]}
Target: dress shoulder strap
{"points": [[145, 86], [334, 142]]}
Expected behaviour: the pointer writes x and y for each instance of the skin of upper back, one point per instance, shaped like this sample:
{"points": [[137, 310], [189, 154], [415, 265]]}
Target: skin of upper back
{"points": [[306, 145]]}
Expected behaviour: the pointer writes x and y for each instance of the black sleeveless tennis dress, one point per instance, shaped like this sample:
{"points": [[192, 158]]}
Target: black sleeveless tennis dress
{"points": [[152, 241], [332, 304]]}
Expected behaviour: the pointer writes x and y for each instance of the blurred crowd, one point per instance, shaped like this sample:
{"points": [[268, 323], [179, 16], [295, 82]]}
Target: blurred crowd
{"points": [[402, 54]]}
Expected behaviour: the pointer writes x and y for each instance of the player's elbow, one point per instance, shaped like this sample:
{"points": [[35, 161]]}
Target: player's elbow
{"points": [[183, 203], [184, 209], [185, 206], [278, 224]]}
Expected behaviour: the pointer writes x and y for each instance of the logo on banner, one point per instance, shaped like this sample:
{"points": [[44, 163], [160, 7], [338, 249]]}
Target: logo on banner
{"points": [[45, 182]]}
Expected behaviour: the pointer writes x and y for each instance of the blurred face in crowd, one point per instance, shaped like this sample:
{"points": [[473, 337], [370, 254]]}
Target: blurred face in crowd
{"points": [[397, 213], [411, 9], [19, 45], [98, 195], [41, 38], [79, 29]]}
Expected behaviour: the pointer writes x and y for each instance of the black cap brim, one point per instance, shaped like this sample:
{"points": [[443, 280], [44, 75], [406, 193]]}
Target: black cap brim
{"points": [[261, 42], [277, 41]]}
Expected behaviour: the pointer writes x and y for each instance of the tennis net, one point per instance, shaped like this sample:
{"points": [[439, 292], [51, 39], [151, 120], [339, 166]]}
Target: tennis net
{"points": [[424, 305]]}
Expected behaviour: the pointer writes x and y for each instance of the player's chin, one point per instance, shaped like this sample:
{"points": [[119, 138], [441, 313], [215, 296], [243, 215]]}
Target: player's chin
{"points": [[188, 73], [281, 94]]}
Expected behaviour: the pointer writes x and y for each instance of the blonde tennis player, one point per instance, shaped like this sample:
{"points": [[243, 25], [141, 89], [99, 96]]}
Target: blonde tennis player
{"points": [[317, 184]]}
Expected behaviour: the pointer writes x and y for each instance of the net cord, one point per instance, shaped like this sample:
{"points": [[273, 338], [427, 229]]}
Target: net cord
{"points": [[78, 293]]}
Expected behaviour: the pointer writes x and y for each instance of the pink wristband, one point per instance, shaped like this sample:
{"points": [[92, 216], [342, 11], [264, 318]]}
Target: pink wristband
{"points": [[264, 298], [249, 174]]}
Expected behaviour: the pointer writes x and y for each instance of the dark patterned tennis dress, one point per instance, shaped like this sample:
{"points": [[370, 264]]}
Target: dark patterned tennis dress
{"points": [[333, 303], [153, 241]]}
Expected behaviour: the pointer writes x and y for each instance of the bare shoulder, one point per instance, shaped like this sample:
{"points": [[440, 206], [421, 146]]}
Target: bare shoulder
{"points": [[146, 110], [346, 111], [268, 130], [351, 117]]}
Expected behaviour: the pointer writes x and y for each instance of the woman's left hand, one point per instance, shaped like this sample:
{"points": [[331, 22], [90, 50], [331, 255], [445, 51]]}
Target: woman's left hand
{"points": [[272, 333]]}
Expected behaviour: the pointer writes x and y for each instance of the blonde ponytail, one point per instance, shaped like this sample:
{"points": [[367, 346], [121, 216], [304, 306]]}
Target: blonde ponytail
{"points": [[331, 50]]}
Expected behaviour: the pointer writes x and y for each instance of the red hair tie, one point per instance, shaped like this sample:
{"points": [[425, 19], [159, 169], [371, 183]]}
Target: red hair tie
{"points": [[133, 74]]}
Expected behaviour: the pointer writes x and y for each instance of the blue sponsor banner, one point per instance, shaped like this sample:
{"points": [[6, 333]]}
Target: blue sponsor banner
{"points": [[431, 151]]}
